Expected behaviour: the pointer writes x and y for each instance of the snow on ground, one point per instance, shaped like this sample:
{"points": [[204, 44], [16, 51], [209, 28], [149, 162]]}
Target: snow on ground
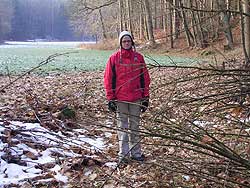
{"points": [[26, 146], [34, 44]]}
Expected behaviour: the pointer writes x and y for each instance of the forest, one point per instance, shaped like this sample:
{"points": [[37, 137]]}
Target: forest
{"points": [[23, 20], [200, 22], [55, 126]]}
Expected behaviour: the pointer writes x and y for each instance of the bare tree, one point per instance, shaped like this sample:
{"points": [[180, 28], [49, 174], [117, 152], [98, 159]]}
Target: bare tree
{"points": [[200, 20], [189, 35], [176, 19], [169, 6], [246, 4], [149, 22], [88, 14], [102, 24], [129, 18], [120, 15], [200, 29], [226, 23], [142, 23]]}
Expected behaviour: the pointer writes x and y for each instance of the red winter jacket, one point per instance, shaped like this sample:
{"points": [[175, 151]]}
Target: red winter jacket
{"points": [[126, 77]]}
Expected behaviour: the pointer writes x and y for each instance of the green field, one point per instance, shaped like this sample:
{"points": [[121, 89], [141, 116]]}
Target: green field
{"points": [[17, 60]]}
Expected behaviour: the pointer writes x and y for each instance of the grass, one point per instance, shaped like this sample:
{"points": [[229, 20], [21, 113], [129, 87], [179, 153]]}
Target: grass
{"points": [[18, 60]]}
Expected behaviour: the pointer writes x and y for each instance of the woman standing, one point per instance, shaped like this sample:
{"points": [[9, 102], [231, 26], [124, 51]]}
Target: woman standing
{"points": [[126, 81]]}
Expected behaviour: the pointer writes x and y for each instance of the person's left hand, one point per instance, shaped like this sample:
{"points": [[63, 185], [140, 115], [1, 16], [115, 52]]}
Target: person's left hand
{"points": [[112, 106], [144, 104]]}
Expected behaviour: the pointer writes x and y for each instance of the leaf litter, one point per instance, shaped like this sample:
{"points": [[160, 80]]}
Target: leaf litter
{"points": [[56, 131], [40, 137]]}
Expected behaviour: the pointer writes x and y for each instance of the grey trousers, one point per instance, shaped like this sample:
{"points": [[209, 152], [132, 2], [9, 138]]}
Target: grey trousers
{"points": [[128, 119]]}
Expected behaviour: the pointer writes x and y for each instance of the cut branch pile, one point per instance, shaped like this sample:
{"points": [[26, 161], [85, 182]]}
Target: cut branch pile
{"points": [[201, 120]]}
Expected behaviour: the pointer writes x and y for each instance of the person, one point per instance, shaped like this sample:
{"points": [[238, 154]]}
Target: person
{"points": [[126, 82]]}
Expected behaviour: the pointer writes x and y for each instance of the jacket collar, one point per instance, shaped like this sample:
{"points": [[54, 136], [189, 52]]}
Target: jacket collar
{"points": [[126, 53]]}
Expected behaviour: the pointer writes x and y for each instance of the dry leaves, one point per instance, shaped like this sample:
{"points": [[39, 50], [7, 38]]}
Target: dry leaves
{"points": [[170, 159]]}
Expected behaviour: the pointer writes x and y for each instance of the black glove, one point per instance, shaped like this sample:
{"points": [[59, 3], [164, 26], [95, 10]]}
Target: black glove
{"points": [[112, 106], [144, 105]]}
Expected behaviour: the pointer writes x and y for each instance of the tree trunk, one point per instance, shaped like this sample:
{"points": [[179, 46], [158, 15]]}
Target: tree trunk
{"points": [[163, 23], [226, 24], [200, 30], [141, 29], [187, 31], [155, 15], [104, 35], [129, 17], [213, 20], [194, 25], [246, 10], [176, 19], [120, 15], [149, 22], [169, 4]]}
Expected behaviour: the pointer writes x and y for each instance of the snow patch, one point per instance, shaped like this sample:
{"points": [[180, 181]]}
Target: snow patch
{"points": [[31, 146], [111, 164]]}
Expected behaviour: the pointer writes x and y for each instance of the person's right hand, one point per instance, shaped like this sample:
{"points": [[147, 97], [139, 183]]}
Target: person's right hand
{"points": [[112, 106], [144, 105]]}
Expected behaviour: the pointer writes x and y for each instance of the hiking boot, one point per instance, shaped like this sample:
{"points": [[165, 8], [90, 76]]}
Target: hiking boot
{"points": [[140, 159]]}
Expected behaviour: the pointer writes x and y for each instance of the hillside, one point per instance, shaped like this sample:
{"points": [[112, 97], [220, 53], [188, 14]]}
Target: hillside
{"points": [[215, 50]]}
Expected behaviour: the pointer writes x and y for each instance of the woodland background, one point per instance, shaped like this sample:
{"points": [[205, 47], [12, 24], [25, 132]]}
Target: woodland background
{"points": [[200, 22]]}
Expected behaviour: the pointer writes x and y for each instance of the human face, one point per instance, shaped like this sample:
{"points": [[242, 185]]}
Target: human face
{"points": [[126, 42]]}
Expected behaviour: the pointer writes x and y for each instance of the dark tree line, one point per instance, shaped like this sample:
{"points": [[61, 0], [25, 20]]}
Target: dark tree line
{"points": [[34, 19], [6, 13]]}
